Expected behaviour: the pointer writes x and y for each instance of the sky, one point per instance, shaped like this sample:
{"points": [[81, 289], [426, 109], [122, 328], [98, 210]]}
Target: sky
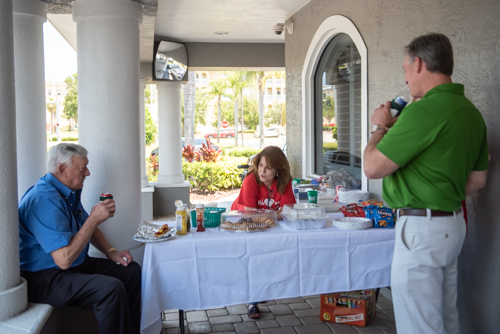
{"points": [[60, 57]]}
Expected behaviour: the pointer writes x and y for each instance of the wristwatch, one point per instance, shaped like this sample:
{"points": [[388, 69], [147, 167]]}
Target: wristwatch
{"points": [[377, 127]]}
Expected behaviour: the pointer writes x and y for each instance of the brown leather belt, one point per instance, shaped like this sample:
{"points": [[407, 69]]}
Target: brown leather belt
{"points": [[423, 212]]}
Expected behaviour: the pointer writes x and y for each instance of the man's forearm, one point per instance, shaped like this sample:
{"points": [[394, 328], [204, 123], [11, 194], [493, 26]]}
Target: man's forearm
{"points": [[99, 241], [65, 256], [375, 164]]}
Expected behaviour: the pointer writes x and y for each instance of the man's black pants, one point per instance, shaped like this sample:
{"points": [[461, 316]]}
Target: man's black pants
{"points": [[112, 291]]}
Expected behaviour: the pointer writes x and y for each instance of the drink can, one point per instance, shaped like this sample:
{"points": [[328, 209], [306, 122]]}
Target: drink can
{"points": [[105, 196]]}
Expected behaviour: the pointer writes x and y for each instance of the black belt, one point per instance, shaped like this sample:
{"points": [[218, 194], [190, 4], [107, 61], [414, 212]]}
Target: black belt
{"points": [[423, 212]]}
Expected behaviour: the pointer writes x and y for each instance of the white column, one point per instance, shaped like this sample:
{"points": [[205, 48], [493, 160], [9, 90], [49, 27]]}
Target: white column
{"points": [[13, 291], [108, 105], [170, 132], [29, 16], [142, 119]]}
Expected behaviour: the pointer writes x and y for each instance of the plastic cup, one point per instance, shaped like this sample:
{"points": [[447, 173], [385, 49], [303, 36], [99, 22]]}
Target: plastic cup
{"points": [[295, 181], [312, 196]]}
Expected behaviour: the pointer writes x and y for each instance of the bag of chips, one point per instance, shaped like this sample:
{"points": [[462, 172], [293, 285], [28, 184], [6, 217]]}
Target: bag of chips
{"points": [[352, 210], [382, 217]]}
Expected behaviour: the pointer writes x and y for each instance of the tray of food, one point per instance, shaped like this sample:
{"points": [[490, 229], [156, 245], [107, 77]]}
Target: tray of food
{"points": [[352, 223], [248, 220], [150, 232], [304, 216]]}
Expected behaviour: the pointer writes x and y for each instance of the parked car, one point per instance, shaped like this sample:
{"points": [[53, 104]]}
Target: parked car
{"points": [[197, 145], [224, 133], [270, 132], [335, 160]]}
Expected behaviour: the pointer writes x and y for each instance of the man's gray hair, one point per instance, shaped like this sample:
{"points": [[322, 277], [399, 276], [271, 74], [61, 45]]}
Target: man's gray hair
{"points": [[63, 154], [435, 50]]}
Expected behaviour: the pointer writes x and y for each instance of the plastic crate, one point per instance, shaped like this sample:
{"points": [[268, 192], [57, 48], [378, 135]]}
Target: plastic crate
{"points": [[213, 216]]}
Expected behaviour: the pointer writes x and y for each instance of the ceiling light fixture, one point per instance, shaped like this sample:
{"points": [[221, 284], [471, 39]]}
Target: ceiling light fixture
{"points": [[221, 33]]}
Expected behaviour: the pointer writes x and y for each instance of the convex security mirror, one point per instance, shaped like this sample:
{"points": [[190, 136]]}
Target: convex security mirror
{"points": [[170, 61]]}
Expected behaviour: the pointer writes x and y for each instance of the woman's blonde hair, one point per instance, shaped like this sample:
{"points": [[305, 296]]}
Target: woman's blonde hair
{"points": [[276, 159]]}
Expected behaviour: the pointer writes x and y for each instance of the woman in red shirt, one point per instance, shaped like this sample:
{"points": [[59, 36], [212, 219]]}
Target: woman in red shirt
{"points": [[268, 185]]}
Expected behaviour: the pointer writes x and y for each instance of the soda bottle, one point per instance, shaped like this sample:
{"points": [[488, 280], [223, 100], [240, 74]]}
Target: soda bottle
{"points": [[400, 101], [200, 219]]}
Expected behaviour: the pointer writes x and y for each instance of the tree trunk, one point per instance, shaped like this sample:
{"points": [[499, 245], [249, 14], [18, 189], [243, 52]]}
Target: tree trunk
{"points": [[261, 108], [189, 108], [242, 120], [236, 113], [218, 118]]}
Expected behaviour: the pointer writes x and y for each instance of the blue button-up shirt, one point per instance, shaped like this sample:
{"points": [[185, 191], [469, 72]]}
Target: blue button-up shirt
{"points": [[50, 214]]}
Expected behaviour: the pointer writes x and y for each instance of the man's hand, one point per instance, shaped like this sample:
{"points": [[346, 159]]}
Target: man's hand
{"points": [[124, 257], [375, 164], [103, 210], [382, 116]]}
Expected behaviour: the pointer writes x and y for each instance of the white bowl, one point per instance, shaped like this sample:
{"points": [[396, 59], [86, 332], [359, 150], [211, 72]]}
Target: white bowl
{"points": [[352, 223]]}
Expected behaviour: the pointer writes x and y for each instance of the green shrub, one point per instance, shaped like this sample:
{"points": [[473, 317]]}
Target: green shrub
{"points": [[209, 176], [327, 128], [54, 139], [243, 153], [72, 139], [249, 131], [64, 139], [329, 147]]}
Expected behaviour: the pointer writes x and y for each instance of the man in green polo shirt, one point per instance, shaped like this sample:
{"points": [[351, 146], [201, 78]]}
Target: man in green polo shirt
{"points": [[434, 154]]}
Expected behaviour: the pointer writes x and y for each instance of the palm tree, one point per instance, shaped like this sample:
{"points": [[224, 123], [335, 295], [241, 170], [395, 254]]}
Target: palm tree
{"points": [[237, 81], [51, 107], [261, 82], [218, 88]]}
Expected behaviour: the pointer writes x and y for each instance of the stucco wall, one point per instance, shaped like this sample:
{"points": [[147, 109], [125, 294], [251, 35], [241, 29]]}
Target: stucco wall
{"points": [[386, 27]]}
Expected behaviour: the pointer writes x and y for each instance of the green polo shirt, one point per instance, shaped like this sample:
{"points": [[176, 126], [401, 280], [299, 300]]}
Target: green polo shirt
{"points": [[437, 141]]}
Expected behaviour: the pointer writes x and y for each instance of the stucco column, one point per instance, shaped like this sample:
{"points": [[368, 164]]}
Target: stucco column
{"points": [[170, 132], [29, 16], [108, 107], [142, 119], [13, 291]]}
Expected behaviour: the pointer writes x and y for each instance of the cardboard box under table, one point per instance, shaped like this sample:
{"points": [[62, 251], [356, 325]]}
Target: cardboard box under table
{"points": [[355, 308]]}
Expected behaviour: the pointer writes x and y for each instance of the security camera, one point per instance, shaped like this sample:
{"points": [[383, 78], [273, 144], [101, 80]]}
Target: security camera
{"points": [[278, 28]]}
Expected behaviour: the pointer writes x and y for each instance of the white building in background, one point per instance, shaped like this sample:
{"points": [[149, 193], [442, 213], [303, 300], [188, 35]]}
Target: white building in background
{"points": [[55, 91], [274, 92]]}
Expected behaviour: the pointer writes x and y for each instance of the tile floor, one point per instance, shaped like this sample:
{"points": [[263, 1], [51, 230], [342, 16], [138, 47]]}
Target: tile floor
{"points": [[285, 316]]}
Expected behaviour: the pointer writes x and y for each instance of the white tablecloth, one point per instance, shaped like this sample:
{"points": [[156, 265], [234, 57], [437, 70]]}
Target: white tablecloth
{"points": [[203, 270]]}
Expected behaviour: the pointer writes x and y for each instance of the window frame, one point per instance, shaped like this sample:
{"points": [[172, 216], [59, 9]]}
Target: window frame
{"points": [[331, 27]]}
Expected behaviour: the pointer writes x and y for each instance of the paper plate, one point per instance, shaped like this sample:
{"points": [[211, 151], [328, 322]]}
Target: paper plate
{"points": [[352, 223]]}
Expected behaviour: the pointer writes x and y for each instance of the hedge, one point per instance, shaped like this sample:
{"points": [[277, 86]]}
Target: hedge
{"points": [[209, 176], [243, 153]]}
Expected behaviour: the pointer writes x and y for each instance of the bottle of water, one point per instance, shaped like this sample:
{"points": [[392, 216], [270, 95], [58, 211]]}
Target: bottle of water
{"points": [[400, 101]]}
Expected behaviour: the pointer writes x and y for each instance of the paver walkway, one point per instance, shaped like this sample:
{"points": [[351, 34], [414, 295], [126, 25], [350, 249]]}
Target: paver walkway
{"points": [[284, 316]]}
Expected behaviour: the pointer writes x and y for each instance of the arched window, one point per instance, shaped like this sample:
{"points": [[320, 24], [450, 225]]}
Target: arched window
{"points": [[337, 93], [334, 92]]}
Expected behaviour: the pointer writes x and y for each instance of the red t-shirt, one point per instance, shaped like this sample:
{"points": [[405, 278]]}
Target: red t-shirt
{"points": [[254, 196]]}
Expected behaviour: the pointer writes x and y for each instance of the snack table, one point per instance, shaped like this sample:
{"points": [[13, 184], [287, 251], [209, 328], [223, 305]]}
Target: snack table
{"points": [[204, 270]]}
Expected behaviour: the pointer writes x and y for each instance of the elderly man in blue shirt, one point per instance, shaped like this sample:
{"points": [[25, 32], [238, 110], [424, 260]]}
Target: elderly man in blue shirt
{"points": [[55, 231]]}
